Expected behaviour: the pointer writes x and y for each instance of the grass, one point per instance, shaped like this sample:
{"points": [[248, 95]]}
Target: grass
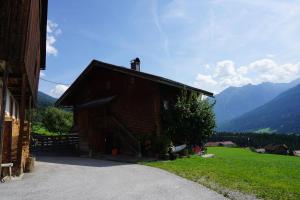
{"points": [[266, 176], [38, 129]]}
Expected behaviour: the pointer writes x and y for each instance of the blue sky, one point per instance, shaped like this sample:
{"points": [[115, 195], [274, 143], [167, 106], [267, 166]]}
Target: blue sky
{"points": [[210, 44]]}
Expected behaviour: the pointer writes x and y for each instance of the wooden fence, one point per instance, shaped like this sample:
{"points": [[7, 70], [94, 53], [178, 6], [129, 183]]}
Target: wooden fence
{"points": [[56, 144]]}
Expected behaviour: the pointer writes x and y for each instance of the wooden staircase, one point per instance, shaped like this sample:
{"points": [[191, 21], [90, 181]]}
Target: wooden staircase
{"points": [[127, 137]]}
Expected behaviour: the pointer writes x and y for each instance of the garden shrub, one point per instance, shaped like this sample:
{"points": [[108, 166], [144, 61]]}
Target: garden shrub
{"points": [[191, 120], [57, 120]]}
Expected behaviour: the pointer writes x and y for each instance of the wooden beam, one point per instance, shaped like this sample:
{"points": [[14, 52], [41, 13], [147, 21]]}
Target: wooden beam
{"points": [[22, 120], [2, 114], [11, 74]]}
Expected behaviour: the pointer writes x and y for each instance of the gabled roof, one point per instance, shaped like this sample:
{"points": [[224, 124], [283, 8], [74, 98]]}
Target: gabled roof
{"points": [[98, 64]]}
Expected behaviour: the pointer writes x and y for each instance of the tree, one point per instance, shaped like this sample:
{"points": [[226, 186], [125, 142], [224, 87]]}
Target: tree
{"points": [[191, 120], [57, 120]]}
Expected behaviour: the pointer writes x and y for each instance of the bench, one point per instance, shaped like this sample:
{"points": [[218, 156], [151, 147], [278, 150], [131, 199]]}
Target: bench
{"points": [[9, 165]]}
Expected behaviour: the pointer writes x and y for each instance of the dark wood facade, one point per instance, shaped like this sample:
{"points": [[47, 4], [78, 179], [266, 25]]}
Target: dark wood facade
{"points": [[23, 25], [113, 106]]}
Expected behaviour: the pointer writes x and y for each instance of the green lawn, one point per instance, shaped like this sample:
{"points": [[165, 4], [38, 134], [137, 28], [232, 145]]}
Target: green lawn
{"points": [[41, 130], [264, 175]]}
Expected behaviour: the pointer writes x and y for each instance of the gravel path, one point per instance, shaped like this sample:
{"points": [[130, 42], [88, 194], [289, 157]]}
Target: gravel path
{"points": [[71, 178]]}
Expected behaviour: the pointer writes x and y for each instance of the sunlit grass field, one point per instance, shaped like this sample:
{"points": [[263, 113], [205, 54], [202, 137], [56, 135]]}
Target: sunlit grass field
{"points": [[265, 175]]}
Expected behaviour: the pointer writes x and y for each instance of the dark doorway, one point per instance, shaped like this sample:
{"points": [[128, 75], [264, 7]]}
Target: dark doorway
{"points": [[109, 142]]}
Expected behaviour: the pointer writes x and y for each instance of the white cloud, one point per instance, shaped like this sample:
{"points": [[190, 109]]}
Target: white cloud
{"points": [[270, 55], [159, 28], [58, 90], [225, 68], [240, 29], [176, 10], [52, 32], [226, 74], [207, 66], [205, 81], [42, 74]]}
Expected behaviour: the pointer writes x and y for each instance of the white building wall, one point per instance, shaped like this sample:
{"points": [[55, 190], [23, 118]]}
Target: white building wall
{"points": [[14, 109], [7, 105]]}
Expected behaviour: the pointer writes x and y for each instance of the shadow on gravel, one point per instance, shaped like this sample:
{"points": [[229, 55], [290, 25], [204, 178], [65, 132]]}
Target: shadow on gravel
{"points": [[80, 161]]}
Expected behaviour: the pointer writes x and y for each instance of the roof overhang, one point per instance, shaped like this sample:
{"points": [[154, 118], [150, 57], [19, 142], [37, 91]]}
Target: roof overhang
{"points": [[44, 13]]}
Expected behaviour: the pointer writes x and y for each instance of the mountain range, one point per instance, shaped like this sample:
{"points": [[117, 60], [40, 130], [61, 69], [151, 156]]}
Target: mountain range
{"points": [[44, 100], [267, 107], [264, 107]]}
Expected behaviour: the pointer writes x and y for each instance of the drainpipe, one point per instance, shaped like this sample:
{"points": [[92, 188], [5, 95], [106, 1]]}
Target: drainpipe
{"points": [[2, 114]]}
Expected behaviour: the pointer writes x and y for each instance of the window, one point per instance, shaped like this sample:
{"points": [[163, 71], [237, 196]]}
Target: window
{"points": [[1, 84], [166, 104], [11, 106], [107, 85], [132, 80], [17, 111], [7, 105]]}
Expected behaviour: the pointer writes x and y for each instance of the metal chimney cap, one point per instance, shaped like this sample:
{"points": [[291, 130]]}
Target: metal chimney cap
{"points": [[135, 64], [136, 60]]}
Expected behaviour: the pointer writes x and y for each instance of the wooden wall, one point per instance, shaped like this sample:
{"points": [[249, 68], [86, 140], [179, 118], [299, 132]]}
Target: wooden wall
{"points": [[137, 105], [23, 49], [11, 134], [13, 21], [33, 46], [23, 40], [137, 102], [7, 144]]}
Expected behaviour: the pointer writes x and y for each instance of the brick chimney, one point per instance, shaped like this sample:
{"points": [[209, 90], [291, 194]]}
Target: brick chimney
{"points": [[135, 64]]}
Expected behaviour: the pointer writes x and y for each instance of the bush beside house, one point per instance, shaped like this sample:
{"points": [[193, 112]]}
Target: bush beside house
{"points": [[190, 121]]}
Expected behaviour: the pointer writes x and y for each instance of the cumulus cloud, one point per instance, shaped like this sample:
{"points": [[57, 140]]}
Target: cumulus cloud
{"points": [[226, 73], [225, 68], [58, 90], [206, 82], [52, 32]]}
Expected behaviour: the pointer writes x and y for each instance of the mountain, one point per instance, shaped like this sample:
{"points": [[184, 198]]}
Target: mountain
{"points": [[45, 100], [282, 114], [236, 101]]}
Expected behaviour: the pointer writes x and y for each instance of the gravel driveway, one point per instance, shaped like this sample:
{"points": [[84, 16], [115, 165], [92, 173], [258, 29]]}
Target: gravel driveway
{"points": [[71, 178]]}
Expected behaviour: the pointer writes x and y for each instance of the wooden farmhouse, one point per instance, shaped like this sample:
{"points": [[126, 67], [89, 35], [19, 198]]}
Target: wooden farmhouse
{"points": [[113, 106], [23, 25]]}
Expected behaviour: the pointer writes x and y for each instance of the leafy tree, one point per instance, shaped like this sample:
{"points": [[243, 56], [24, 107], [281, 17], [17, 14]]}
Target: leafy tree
{"points": [[191, 120], [57, 120], [37, 115]]}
